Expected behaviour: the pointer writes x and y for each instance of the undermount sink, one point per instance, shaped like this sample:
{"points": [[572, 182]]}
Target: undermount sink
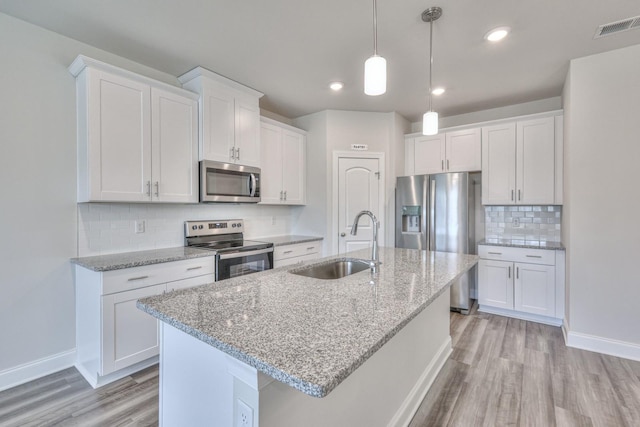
{"points": [[336, 269]]}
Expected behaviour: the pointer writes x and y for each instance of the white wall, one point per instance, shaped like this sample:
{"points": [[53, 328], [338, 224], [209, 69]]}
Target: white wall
{"points": [[602, 200], [336, 130], [533, 107], [40, 219]]}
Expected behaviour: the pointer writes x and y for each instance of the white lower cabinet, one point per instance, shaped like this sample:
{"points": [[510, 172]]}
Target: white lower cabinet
{"points": [[113, 337], [296, 253], [522, 283]]}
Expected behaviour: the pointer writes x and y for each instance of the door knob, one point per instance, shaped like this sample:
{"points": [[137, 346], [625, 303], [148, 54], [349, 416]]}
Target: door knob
{"points": [[343, 234]]}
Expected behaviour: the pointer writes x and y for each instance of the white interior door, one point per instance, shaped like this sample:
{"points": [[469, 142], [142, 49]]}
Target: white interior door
{"points": [[359, 188]]}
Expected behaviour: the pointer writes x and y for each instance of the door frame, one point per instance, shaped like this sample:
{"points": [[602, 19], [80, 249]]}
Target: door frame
{"points": [[337, 155]]}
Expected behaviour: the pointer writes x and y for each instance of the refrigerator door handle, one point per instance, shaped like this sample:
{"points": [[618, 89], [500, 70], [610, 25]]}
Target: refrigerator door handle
{"points": [[432, 214]]}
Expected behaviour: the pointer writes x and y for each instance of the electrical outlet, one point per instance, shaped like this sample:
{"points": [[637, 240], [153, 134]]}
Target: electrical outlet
{"points": [[140, 226], [516, 222], [244, 415]]}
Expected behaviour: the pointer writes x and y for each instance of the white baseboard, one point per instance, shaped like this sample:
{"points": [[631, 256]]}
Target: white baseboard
{"points": [[38, 368], [97, 381], [521, 315], [411, 404], [609, 346]]}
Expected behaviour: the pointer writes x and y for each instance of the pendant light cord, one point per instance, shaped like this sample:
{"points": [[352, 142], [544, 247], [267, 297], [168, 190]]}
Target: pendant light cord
{"points": [[430, 61], [375, 27]]}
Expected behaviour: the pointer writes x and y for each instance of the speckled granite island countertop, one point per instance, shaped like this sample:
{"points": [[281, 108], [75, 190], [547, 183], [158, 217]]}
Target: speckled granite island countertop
{"points": [[310, 333], [289, 240], [139, 258], [526, 244]]}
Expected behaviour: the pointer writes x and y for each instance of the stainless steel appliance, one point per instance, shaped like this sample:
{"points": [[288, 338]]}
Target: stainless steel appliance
{"points": [[234, 256], [436, 213], [226, 182]]}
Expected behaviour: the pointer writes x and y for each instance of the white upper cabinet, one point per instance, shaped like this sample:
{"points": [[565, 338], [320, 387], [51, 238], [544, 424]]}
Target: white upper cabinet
{"points": [[283, 172], [174, 147], [137, 138], [520, 162], [458, 151], [229, 118]]}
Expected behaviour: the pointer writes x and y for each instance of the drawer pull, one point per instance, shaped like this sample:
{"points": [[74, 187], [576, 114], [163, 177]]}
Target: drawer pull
{"points": [[287, 252], [138, 278], [534, 256], [310, 248], [194, 268], [495, 253]]}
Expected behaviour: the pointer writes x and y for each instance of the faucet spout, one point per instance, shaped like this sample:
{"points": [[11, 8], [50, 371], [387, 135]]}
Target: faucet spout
{"points": [[376, 224]]}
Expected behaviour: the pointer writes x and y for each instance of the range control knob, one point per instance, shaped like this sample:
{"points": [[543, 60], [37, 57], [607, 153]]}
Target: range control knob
{"points": [[194, 227], [233, 225], [200, 227], [239, 225]]}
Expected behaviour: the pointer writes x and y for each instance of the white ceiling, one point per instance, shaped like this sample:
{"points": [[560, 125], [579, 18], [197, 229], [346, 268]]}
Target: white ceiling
{"points": [[291, 49]]}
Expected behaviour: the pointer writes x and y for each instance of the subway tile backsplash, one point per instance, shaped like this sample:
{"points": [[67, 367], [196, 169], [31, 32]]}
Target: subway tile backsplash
{"points": [[524, 224], [105, 228]]}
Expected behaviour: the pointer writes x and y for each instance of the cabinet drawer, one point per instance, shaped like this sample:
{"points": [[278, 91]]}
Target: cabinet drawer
{"points": [[148, 275], [505, 253], [299, 249], [295, 260]]}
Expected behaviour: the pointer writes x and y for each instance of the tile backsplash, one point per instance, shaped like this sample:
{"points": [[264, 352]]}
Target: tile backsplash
{"points": [[105, 228], [528, 224]]}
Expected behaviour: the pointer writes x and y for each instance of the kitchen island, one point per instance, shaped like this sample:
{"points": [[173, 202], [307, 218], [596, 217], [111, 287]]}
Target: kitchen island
{"points": [[276, 348]]}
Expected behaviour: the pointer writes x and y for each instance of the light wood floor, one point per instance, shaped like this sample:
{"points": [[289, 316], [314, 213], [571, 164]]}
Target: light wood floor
{"points": [[503, 372]]}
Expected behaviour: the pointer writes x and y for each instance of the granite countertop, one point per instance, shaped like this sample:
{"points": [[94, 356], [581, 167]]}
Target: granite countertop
{"points": [[288, 239], [310, 333], [139, 258], [526, 244]]}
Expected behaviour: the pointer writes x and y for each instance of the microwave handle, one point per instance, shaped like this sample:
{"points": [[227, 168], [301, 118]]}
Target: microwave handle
{"points": [[252, 185]]}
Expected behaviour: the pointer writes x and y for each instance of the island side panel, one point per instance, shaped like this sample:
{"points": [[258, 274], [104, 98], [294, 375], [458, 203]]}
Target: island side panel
{"points": [[195, 387], [386, 390]]}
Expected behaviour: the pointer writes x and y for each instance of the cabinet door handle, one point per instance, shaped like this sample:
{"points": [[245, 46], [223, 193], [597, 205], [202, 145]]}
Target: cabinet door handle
{"points": [[442, 164], [447, 164], [519, 198], [157, 188], [194, 268], [281, 195], [534, 256], [285, 195], [287, 252], [233, 153], [149, 188], [238, 153], [137, 278], [494, 253], [517, 272], [512, 196], [509, 272]]}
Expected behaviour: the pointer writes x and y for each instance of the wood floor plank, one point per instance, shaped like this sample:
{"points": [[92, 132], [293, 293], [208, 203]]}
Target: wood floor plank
{"points": [[566, 418], [537, 406]]}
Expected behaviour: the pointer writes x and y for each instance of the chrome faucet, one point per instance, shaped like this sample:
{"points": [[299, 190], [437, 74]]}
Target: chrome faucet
{"points": [[374, 251]]}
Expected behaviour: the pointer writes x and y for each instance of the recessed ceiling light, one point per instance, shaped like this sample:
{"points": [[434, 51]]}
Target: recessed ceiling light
{"points": [[336, 86], [497, 34], [438, 91]]}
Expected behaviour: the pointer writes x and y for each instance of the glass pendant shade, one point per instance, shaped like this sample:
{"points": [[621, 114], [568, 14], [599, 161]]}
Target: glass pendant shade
{"points": [[375, 75], [430, 123]]}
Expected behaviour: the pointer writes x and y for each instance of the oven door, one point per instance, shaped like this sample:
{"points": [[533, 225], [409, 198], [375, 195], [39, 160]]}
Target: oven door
{"points": [[236, 264]]}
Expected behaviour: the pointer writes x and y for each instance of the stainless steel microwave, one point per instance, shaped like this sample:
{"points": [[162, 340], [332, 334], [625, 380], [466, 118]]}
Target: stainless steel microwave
{"points": [[229, 183]]}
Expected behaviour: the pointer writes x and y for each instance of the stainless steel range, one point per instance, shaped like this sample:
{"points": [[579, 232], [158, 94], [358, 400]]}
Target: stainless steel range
{"points": [[234, 256]]}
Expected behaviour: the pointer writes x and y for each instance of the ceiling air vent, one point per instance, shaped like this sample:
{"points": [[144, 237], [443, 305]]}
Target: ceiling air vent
{"points": [[617, 27]]}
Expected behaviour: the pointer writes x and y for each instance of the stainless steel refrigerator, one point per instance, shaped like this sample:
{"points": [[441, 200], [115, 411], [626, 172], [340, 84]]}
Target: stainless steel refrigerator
{"points": [[436, 213]]}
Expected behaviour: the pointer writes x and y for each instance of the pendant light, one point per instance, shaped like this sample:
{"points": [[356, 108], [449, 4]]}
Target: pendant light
{"points": [[430, 118], [375, 68]]}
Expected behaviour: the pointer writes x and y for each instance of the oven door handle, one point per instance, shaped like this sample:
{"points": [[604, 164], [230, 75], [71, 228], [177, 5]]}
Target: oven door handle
{"points": [[252, 184], [238, 254]]}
